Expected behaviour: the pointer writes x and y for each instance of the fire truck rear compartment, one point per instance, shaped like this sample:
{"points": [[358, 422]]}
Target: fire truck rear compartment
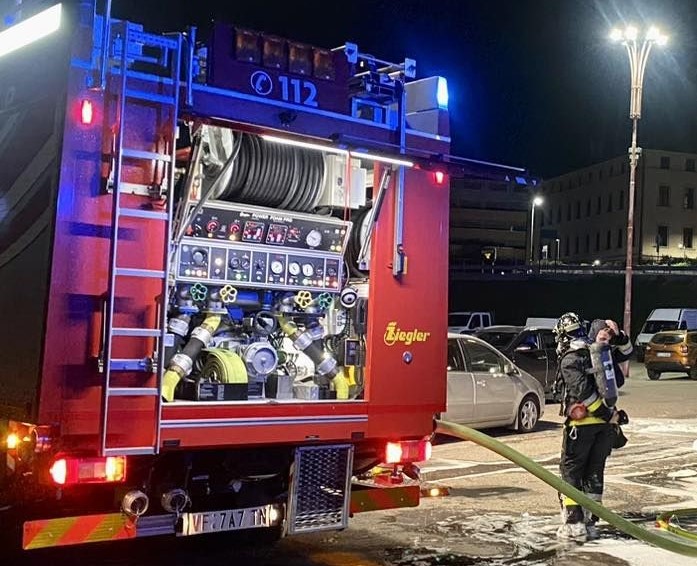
{"points": [[219, 305]]}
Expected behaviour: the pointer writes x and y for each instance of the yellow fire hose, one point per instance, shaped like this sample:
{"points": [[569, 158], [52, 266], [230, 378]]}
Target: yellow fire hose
{"points": [[666, 522], [636, 531]]}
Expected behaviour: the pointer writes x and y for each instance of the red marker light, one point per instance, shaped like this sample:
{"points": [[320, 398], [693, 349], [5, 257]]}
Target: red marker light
{"points": [[439, 176], [86, 112]]}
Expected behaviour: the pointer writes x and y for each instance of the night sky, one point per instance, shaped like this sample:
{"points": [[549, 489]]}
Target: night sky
{"points": [[533, 83]]}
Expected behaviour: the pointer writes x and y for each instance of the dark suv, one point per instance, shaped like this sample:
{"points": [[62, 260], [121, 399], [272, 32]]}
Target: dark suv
{"points": [[531, 348]]}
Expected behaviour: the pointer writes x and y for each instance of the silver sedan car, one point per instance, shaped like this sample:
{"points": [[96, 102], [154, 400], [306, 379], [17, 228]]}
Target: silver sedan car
{"points": [[486, 389]]}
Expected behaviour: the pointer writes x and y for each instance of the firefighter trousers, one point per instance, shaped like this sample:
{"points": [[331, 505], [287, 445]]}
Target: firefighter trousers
{"points": [[585, 449]]}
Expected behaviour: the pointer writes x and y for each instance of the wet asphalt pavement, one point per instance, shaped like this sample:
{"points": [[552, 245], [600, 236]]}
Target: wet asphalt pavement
{"points": [[495, 514]]}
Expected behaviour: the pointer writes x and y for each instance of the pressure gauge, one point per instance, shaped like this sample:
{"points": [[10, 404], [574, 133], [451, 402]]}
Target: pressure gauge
{"points": [[313, 238], [276, 267], [308, 270], [199, 257], [294, 268]]}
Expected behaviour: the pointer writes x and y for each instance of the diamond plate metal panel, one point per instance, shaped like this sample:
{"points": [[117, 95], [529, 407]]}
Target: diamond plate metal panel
{"points": [[320, 488]]}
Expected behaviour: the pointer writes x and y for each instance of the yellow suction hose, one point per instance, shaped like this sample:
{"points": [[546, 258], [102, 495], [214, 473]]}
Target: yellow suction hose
{"points": [[180, 365], [636, 531]]}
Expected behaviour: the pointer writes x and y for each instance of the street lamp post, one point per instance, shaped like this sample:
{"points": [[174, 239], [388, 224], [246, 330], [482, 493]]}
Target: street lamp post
{"points": [[537, 201], [638, 52]]}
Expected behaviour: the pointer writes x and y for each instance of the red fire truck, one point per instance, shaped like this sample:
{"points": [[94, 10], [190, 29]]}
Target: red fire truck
{"points": [[223, 275]]}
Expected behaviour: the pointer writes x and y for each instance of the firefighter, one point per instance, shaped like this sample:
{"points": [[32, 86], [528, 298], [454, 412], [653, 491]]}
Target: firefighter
{"points": [[588, 428], [608, 331]]}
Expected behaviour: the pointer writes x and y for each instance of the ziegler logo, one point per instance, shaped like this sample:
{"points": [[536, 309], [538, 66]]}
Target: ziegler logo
{"points": [[394, 334]]}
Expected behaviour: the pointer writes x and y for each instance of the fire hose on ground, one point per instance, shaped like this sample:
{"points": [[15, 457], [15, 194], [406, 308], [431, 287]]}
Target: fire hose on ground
{"points": [[685, 548]]}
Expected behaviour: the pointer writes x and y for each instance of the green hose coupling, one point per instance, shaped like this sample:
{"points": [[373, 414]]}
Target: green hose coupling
{"points": [[198, 292]]}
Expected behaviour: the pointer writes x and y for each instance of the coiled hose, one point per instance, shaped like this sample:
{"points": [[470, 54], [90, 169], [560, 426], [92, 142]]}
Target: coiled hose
{"points": [[353, 249], [276, 175], [636, 531], [224, 366]]}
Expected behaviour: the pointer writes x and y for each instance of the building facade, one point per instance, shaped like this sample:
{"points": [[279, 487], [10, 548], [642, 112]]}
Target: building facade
{"points": [[491, 216], [584, 213]]}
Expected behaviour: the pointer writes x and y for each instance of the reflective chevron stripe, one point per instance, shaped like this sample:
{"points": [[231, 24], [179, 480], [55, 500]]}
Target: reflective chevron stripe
{"points": [[77, 530]]}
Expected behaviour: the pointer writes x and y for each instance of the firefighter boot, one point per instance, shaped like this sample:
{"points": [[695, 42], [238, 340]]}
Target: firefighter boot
{"points": [[573, 531]]}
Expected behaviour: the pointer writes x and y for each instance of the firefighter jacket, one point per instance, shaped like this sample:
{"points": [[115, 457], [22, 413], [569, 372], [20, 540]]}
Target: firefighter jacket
{"points": [[579, 387]]}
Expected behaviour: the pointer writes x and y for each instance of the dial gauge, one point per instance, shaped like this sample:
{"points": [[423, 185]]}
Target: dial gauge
{"points": [[313, 238]]}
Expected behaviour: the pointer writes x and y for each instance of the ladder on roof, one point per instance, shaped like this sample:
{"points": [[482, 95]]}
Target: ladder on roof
{"points": [[162, 56]]}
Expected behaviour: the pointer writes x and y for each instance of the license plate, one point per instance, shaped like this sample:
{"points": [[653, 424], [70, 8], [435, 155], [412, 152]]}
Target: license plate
{"points": [[663, 354], [229, 520]]}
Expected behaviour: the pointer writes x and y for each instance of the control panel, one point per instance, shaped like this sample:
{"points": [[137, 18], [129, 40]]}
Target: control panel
{"points": [[258, 226], [249, 266]]}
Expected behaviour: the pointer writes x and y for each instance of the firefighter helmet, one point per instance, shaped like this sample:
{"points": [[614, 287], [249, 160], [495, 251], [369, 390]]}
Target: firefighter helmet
{"points": [[568, 325]]}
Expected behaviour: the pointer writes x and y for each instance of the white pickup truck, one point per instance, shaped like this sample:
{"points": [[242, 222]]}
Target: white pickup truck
{"points": [[465, 322]]}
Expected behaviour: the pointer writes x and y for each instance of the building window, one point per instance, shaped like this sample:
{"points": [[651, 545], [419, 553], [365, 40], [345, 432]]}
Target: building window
{"points": [[559, 215], [568, 212], [600, 174], [609, 202], [576, 245], [590, 176], [688, 202], [566, 246], [588, 207], [608, 240], [600, 206], [620, 201], [664, 195], [687, 238], [578, 209], [597, 242], [623, 167], [665, 162], [619, 237], [611, 170], [689, 165], [662, 236], [588, 243]]}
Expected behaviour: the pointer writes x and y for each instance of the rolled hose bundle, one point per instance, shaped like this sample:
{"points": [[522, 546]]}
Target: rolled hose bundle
{"points": [[636, 531], [224, 366]]}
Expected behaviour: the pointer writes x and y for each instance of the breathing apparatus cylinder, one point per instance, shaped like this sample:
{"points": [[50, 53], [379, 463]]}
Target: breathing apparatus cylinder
{"points": [[604, 372]]}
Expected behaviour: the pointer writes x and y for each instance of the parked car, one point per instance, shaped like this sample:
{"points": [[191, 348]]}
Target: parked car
{"points": [[466, 322], [532, 348], [674, 350], [486, 389], [664, 319]]}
